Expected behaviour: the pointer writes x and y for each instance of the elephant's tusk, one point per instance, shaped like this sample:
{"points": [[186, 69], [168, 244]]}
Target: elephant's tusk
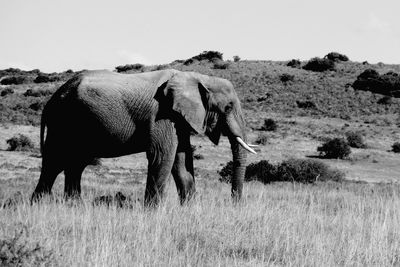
{"points": [[244, 145], [251, 145]]}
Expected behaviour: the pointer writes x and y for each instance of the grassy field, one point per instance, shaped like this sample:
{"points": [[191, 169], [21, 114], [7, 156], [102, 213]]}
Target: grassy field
{"points": [[353, 223]]}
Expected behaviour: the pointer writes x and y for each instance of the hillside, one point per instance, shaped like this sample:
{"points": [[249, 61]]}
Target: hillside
{"points": [[353, 221], [262, 87]]}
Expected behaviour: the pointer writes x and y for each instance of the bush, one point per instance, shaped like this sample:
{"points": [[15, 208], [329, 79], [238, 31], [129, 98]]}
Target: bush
{"points": [[37, 93], [319, 64], [291, 170], [20, 143], [262, 139], [262, 171], [18, 251], [306, 171], [45, 78], [386, 84], [226, 172], [396, 147], [269, 125], [13, 80], [209, 55], [160, 67], [127, 67], [36, 106], [236, 58], [189, 61], [334, 56], [286, 77], [355, 140], [212, 56], [335, 148], [386, 100], [7, 91], [294, 63], [221, 65], [306, 104]]}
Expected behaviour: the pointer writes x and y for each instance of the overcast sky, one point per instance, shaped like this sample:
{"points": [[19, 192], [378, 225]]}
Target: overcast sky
{"points": [[57, 35]]}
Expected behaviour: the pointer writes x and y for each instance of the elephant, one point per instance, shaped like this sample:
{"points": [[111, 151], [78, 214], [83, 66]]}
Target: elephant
{"points": [[103, 114]]}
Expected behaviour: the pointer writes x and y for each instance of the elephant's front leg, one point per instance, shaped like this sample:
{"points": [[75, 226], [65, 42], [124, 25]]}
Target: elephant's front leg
{"points": [[182, 170], [161, 154]]}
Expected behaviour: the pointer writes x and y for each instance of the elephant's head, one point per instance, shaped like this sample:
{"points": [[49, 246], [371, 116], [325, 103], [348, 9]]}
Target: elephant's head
{"points": [[210, 105]]}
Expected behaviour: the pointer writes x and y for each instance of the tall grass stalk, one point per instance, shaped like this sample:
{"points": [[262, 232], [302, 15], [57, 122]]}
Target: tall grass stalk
{"points": [[279, 224]]}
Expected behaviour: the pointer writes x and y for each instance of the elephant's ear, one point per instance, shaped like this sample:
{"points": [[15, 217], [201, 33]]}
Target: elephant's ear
{"points": [[188, 97]]}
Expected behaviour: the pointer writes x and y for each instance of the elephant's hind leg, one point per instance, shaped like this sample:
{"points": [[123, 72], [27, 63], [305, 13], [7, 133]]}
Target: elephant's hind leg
{"points": [[73, 175], [182, 169], [51, 168]]}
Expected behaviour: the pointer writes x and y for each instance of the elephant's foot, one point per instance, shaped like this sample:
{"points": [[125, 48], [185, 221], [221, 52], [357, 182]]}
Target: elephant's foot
{"points": [[37, 196], [153, 197]]}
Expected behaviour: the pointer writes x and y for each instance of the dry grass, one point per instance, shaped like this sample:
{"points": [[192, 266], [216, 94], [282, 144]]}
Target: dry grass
{"points": [[281, 224], [278, 224]]}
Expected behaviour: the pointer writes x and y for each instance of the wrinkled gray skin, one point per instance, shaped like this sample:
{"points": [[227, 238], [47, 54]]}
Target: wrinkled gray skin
{"points": [[101, 114]]}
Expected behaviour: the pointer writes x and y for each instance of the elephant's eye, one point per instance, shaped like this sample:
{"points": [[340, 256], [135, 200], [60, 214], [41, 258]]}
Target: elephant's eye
{"points": [[229, 107]]}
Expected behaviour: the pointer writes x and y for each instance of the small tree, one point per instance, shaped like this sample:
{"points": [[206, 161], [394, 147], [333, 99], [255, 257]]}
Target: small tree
{"points": [[294, 63], [319, 64], [285, 77], [355, 140], [128, 67], [236, 58], [269, 125], [335, 56], [336, 148], [396, 147], [20, 143]]}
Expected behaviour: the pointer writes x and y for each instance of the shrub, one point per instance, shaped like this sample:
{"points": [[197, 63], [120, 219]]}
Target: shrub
{"points": [[209, 55], [386, 100], [20, 143], [189, 61], [355, 140], [160, 67], [212, 56], [286, 77], [306, 171], [386, 84], [294, 63], [18, 251], [236, 58], [319, 64], [221, 65], [36, 106], [336, 148], [396, 147], [291, 170], [226, 172], [7, 91], [13, 80], [335, 56], [37, 93], [45, 78], [262, 171], [127, 67], [269, 125], [262, 139], [306, 104]]}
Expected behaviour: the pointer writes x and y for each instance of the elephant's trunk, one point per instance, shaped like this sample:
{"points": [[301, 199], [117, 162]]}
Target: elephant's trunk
{"points": [[237, 138]]}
